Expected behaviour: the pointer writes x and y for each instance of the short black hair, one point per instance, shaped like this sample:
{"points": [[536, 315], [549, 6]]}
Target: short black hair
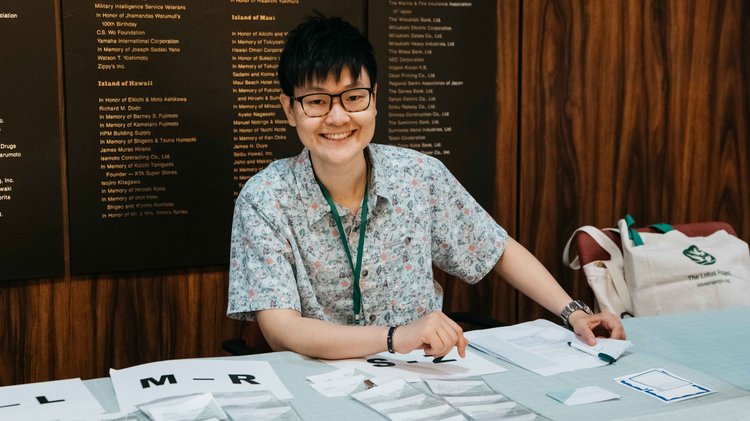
{"points": [[322, 46]]}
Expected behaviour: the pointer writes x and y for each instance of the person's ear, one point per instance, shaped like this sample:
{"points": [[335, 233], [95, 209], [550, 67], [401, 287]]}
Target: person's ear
{"points": [[288, 105]]}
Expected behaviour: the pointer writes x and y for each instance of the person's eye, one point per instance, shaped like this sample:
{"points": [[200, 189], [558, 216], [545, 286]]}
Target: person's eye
{"points": [[316, 101], [354, 97]]}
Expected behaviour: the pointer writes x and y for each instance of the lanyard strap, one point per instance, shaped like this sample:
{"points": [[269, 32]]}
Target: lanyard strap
{"points": [[363, 227]]}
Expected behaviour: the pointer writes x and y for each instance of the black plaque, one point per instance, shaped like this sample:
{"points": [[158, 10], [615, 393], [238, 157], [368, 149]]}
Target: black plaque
{"points": [[260, 132], [171, 106], [436, 83], [31, 217]]}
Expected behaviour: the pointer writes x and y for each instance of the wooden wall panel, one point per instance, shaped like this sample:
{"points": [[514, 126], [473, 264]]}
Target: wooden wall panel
{"points": [[494, 297], [83, 326], [631, 106]]}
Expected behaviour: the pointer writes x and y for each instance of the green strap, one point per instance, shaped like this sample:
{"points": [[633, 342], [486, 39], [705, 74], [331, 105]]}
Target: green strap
{"points": [[632, 233], [636, 237], [357, 297], [662, 227]]}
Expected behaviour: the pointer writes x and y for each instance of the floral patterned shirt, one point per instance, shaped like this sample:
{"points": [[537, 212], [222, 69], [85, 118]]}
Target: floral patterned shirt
{"points": [[286, 251]]}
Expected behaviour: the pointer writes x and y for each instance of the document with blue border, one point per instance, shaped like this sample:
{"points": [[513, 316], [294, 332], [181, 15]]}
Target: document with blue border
{"points": [[663, 385]]}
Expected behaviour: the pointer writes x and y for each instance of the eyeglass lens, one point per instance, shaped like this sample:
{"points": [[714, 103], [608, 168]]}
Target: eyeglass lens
{"points": [[353, 100]]}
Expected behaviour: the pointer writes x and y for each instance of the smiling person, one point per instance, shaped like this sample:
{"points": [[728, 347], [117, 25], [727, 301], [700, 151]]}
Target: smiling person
{"points": [[332, 250]]}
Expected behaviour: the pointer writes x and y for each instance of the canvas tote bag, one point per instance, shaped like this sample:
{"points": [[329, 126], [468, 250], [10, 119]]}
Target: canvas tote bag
{"points": [[672, 273], [605, 277]]}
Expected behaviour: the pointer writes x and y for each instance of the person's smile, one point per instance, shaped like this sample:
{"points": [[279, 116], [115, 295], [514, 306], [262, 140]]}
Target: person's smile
{"points": [[339, 136]]}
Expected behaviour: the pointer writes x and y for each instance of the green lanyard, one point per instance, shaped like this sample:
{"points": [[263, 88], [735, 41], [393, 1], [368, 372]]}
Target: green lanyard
{"points": [[363, 227]]}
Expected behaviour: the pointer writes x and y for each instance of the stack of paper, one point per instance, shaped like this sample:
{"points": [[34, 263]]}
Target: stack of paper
{"points": [[540, 346]]}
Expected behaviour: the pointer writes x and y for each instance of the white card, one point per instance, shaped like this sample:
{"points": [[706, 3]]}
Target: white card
{"points": [[201, 406], [415, 366], [663, 385], [340, 387], [60, 399], [581, 395], [148, 382]]}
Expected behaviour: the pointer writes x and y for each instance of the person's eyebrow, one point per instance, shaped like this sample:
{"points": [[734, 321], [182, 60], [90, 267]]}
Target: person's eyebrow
{"points": [[316, 88]]}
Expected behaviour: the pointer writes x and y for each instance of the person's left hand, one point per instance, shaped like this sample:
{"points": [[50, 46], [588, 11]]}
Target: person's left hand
{"points": [[590, 326]]}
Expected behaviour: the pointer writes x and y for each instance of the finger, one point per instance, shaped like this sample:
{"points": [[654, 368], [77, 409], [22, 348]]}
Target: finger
{"points": [[590, 339], [455, 326], [613, 327], [435, 343], [461, 346], [461, 342], [448, 338], [587, 335], [617, 332]]}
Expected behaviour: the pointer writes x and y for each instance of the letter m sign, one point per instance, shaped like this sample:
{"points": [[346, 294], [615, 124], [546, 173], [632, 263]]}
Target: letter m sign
{"points": [[146, 383]]}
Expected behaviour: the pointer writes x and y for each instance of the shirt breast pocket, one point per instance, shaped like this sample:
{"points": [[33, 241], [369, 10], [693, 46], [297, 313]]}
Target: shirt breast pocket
{"points": [[395, 250], [400, 259]]}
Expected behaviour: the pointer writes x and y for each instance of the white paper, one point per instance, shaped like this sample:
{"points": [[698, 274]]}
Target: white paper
{"points": [[415, 366], [581, 395], [148, 382], [250, 399], [529, 416], [607, 349], [663, 385], [275, 413], [458, 387], [431, 413], [539, 346], [119, 416], [488, 409], [475, 400], [337, 383], [201, 406], [413, 401], [340, 387], [55, 400], [393, 390], [332, 376], [398, 400], [255, 406]]}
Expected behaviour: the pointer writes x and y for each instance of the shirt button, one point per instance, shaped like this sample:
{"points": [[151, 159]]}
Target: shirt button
{"points": [[372, 318], [364, 272]]}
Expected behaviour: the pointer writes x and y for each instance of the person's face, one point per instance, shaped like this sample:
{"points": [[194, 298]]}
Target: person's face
{"points": [[339, 137]]}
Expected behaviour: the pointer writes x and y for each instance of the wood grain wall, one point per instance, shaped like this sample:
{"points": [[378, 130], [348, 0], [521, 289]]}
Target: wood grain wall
{"points": [[637, 107], [604, 107], [81, 326]]}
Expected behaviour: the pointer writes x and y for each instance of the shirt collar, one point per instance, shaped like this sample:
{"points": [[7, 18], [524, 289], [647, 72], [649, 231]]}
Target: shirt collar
{"points": [[312, 198], [380, 187], [382, 184]]}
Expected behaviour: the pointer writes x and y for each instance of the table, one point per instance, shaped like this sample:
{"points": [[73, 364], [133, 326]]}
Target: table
{"points": [[710, 348]]}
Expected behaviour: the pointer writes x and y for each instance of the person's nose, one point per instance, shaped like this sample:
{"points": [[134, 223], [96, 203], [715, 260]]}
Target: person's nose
{"points": [[338, 115]]}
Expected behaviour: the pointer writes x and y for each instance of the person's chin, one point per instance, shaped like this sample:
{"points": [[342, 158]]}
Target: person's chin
{"points": [[342, 154]]}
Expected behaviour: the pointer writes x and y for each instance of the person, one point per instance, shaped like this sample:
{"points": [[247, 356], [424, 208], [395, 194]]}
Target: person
{"points": [[332, 250]]}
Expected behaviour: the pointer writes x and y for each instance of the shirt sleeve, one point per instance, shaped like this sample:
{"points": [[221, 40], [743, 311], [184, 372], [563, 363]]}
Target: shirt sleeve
{"points": [[261, 271], [466, 240]]}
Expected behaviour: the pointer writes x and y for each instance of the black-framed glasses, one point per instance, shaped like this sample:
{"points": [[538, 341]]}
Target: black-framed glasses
{"points": [[319, 104]]}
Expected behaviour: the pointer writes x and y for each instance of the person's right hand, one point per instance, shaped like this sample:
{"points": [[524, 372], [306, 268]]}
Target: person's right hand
{"points": [[434, 333]]}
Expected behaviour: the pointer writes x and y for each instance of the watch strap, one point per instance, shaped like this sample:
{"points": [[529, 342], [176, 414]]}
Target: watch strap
{"points": [[572, 307]]}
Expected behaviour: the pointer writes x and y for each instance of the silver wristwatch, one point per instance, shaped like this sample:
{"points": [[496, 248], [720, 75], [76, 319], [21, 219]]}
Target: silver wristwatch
{"points": [[574, 305]]}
